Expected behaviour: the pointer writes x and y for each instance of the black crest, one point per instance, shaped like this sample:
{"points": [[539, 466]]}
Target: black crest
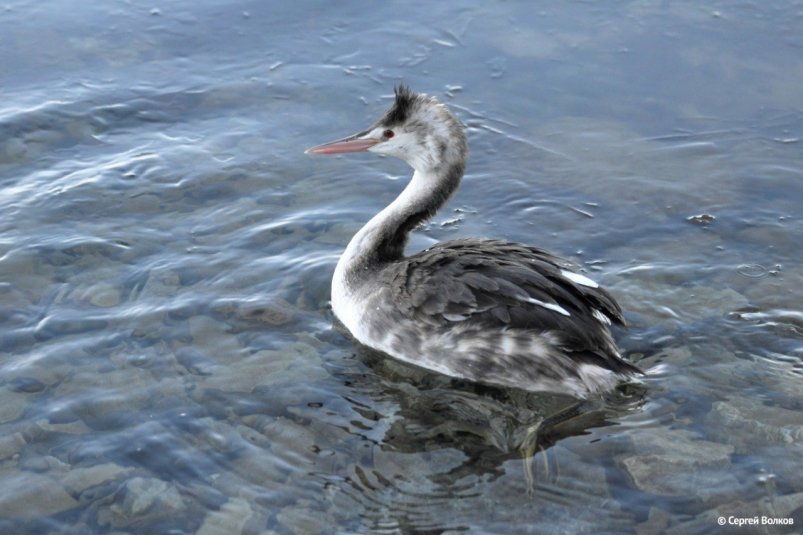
{"points": [[400, 111]]}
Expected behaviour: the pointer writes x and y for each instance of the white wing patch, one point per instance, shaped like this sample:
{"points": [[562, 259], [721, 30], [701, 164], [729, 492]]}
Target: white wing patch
{"points": [[582, 280], [601, 317], [549, 306]]}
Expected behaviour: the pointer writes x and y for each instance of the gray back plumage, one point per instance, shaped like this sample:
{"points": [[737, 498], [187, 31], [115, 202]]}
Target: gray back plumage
{"points": [[496, 284]]}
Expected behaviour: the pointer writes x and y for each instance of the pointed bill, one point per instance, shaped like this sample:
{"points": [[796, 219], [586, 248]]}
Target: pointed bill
{"points": [[353, 143]]}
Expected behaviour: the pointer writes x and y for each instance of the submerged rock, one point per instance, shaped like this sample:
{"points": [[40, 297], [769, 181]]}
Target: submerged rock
{"points": [[12, 405], [676, 462], [274, 312], [230, 519], [303, 519], [213, 338], [656, 523], [104, 295], [145, 493], [78, 480], [294, 363], [11, 445], [143, 500], [161, 284], [752, 426], [748, 423], [640, 290], [29, 495]]}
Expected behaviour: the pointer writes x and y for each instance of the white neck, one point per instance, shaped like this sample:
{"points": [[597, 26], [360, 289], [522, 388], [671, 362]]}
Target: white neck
{"points": [[363, 251]]}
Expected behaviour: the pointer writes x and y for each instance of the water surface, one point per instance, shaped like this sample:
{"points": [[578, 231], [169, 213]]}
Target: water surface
{"points": [[168, 361]]}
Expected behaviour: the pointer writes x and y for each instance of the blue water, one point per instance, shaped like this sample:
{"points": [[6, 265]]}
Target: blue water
{"points": [[168, 361]]}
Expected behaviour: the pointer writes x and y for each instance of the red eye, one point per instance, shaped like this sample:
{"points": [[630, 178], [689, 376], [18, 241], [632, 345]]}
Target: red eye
{"points": [[387, 134]]}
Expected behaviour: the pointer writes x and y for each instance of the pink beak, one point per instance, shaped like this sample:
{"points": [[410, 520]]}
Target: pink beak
{"points": [[347, 144]]}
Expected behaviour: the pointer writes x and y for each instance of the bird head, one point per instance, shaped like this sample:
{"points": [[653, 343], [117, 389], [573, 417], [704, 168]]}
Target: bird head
{"points": [[416, 128]]}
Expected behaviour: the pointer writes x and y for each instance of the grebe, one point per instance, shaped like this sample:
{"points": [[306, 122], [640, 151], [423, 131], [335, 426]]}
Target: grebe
{"points": [[488, 311]]}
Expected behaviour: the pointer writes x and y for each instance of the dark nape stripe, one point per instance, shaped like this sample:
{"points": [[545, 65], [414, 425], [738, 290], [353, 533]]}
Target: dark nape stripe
{"points": [[394, 239]]}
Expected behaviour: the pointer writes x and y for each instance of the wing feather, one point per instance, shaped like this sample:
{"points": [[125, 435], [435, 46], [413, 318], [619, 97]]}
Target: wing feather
{"points": [[496, 283]]}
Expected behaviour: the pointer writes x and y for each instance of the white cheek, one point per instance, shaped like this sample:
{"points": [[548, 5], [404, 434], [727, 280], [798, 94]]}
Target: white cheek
{"points": [[393, 147], [376, 133]]}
